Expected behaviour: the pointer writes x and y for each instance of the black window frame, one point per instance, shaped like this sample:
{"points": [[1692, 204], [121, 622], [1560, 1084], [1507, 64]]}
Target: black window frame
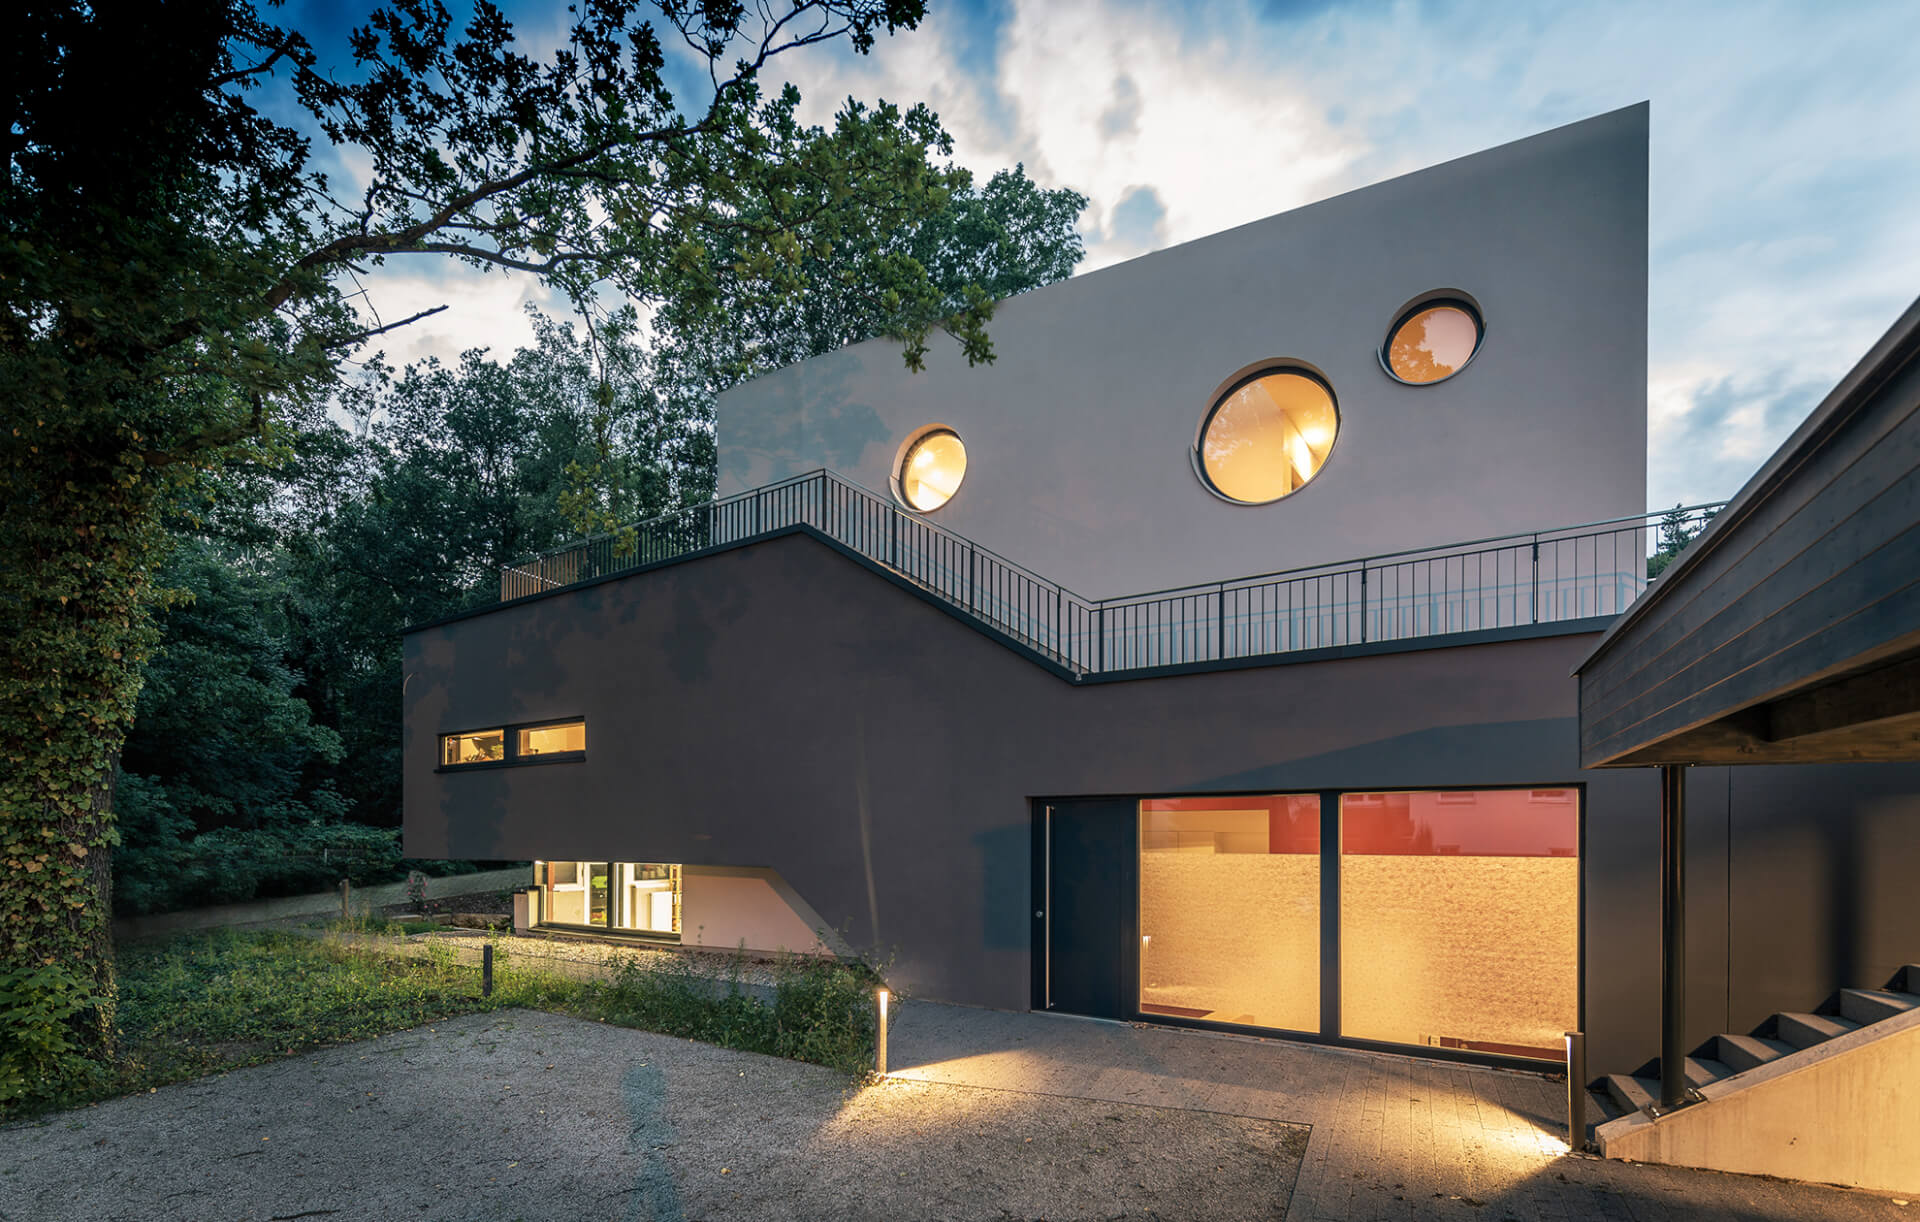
{"points": [[510, 756], [1197, 454], [1421, 305]]}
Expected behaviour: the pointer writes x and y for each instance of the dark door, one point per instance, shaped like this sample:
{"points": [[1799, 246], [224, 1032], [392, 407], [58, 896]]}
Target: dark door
{"points": [[1086, 887]]}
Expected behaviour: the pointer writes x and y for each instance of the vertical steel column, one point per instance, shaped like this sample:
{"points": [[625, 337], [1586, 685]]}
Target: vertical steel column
{"points": [[1673, 935], [1576, 1090]]}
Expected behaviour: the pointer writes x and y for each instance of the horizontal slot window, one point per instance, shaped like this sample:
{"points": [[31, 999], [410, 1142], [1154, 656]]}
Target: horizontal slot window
{"points": [[477, 747], [534, 743], [553, 739]]}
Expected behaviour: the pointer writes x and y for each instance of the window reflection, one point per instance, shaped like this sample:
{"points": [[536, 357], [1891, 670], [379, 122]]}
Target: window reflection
{"points": [[1230, 910], [1459, 919], [1268, 436], [932, 469], [1431, 344]]}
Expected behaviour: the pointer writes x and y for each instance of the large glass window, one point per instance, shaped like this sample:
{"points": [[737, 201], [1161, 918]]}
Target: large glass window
{"points": [[1459, 919], [638, 897], [1230, 909], [1268, 436], [931, 470]]}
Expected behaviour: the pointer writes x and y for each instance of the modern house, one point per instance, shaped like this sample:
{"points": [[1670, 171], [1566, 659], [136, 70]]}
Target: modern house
{"points": [[1207, 659]]}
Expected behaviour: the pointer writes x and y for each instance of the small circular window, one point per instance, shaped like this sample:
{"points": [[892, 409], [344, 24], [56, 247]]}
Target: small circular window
{"points": [[931, 469], [1267, 436], [1432, 341]]}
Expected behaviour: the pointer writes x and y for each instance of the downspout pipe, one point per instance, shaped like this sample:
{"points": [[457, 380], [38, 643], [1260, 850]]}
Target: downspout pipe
{"points": [[1673, 936]]}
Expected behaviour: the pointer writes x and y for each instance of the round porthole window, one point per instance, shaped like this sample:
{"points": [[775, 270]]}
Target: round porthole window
{"points": [[931, 469], [1432, 341], [1267, 436]]}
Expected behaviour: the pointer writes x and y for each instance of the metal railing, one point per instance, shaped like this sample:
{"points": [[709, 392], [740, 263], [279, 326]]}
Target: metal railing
{"points": [[1504, 582]]}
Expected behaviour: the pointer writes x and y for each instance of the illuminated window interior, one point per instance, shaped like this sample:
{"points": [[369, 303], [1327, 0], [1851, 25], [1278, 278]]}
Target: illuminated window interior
{"points": [[628, 896], [931, 471], [1230, 910], [551, 740], [1268, 436], [477, 747], [1432, 343], [1459, 920]]}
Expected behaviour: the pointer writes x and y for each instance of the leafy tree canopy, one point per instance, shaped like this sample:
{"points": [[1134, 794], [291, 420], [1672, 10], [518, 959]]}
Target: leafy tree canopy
{"points": [[174, 291]]}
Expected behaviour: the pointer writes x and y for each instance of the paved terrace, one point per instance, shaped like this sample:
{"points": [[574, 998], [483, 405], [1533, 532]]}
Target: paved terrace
{"points": [[1392, 1137]]}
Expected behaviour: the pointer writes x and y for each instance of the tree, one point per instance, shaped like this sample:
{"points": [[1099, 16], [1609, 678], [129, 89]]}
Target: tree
{"points": [[171, 266], [1678, 527]]}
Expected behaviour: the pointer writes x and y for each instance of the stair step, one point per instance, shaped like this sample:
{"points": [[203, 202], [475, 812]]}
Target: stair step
{"points": [[1871, 1005], [1744, 1052], [1806, 1030], [1702, 1070], [1632, 1093], [1602, 1107]]}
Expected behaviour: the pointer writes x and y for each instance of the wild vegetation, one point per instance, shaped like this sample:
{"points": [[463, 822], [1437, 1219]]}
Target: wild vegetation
{"points": [[202, 573], [206, 1003]]}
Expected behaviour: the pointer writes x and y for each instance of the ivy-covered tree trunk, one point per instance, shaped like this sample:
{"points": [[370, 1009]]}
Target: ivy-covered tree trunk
{"points": [[74, 598]]}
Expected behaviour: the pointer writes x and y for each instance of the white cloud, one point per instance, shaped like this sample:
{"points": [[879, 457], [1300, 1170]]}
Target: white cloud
{"points": [[1784, 159]]}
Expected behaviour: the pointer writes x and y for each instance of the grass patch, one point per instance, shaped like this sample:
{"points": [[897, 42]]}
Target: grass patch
{"points": [[205, 1003]]}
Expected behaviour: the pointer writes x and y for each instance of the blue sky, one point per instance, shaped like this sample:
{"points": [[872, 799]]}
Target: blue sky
{"points": [[1785, 205]]}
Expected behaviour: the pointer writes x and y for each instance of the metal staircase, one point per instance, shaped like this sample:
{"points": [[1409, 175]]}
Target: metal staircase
{"points": [[1511, 581]]}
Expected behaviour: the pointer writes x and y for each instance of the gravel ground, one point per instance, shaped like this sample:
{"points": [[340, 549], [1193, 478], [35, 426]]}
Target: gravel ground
{"points": [[526, 1115]]}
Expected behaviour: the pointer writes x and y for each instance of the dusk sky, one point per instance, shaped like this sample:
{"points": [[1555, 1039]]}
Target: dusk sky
{"points": [[1785, 161]]}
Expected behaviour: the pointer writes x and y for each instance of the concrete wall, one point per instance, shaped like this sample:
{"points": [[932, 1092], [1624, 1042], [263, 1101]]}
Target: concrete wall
{"points": [[1079, 435], [730, 907], [1843, 1112], [781, 707]]}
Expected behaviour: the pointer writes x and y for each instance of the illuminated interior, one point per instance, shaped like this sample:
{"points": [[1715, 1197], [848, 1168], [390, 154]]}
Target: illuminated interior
{"points": [[551, 740], [477, 747], [1268, 436], [1230, 910], [1459, 919], [1432, 344], [635, 897], [931, 471]]}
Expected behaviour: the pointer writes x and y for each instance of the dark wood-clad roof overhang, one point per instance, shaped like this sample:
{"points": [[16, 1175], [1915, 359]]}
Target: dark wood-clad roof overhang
{"points": [[1789, 630]]}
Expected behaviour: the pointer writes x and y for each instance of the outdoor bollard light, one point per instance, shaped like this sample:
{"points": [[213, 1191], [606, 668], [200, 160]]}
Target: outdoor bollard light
{"points": [[1576, 1090], [486, 970], [880, 1043]]}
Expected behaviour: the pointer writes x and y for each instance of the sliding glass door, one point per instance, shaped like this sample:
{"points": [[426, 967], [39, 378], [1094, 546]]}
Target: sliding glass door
{"points": [[621, 896]]}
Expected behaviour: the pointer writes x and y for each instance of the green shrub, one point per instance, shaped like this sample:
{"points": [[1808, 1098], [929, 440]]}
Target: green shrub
{"points": [[39, 1057]]}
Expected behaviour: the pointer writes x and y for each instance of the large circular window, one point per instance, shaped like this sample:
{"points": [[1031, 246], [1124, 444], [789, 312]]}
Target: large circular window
{"points": [[1267, 436], [931, 469], [1432, 341]]}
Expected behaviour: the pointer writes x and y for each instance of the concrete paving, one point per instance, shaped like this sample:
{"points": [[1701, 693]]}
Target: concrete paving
{"points": [[527, 1115], [1392, 1137]]}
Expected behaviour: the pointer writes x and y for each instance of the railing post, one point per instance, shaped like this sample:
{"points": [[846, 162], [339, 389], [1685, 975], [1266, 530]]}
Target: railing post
{"points": [[1099, 638], [1220, 627], [757, 497], [1536, 579], [893, 542], [973, 578], [1363, 604]]}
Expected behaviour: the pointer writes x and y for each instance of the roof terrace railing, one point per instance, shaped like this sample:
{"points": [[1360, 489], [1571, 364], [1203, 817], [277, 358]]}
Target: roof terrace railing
{"points": [[1505, 582]]}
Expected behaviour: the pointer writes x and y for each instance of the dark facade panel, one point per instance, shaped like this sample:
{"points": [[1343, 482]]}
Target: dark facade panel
{"points": [[780, 706], [1813, 574]]}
